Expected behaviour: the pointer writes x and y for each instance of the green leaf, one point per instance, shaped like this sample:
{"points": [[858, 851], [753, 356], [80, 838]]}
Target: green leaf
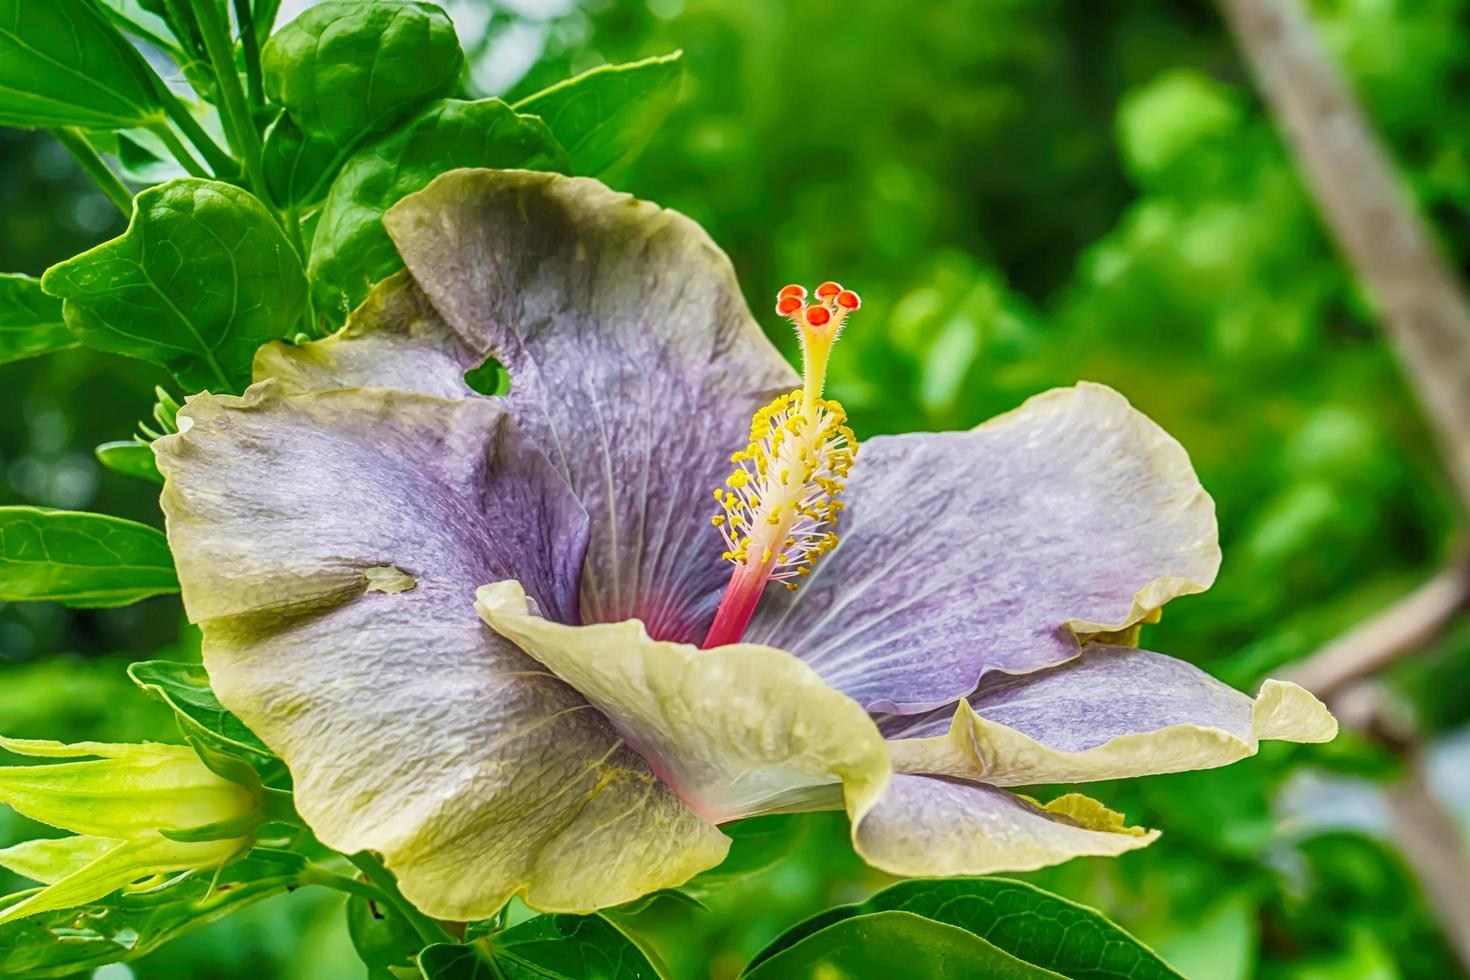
{"points": [[894, 944], [446, 961], [90, 561], [577, 947], [299, 168], [129, 458], [383, 938], [185, 688], [127, 926], [345, 73], [755, 845], [201, 278], [64, 64], [350, 250], [605, 117], [30, 321], [143, 157], [345, 68], [1034, 926]]}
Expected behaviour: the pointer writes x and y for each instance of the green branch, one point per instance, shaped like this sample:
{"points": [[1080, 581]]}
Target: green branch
{"points": [[245, 17], [428, 929], [317, 875], [239, 124], [96, 168], [178, 149], [223, 165]]}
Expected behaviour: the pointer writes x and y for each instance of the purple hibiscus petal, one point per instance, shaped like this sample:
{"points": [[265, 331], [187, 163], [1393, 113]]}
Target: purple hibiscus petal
{"points": [[1111, 713], [966, 553], [927, 825], [329, 545], [634, 364]]}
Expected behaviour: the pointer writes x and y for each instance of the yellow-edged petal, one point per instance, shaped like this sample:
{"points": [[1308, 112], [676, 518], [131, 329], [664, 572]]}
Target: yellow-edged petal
{"points": [[395, 339], [329, 544], [999, 550], [1112, 713]]}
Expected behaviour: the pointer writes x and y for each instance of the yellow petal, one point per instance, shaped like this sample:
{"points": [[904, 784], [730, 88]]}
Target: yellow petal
{"points": [[737, 731], [926, 825], [409, 727]]}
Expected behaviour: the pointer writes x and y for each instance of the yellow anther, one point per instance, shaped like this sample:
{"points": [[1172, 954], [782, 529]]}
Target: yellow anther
{"points": [[780, 500]]}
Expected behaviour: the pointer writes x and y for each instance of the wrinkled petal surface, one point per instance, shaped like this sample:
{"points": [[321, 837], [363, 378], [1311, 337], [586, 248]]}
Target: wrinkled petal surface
{"points": [[737, 731], [634, 363], [967, 553], [927, 825], [329, 544], [1112, 713]]}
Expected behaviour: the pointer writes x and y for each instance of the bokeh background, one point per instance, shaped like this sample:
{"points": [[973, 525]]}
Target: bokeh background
{"points": [[1026, 192]]}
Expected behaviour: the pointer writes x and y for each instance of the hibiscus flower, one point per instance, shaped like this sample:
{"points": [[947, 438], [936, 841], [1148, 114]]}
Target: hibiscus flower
{"points": [[498, 641]]}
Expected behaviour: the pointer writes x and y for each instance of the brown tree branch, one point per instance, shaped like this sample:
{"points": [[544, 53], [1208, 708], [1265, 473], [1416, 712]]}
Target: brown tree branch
{"points": [[1388, 244], [1402, 628], [1427, 319], [1432, 845]]}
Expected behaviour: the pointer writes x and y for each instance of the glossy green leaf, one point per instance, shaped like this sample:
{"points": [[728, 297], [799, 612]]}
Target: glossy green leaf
{"points": [[83, 560], [299, 168], [575, 947], [185, 688], [605, 117], [65, 64], [202, 277], [345, 68], [1024, 921], [383, 938], [894, 944], [126, 926], [345, 72], [129, 458], [144, 159], [350, 250], [755, 845], [30, 321], [446, 961]]}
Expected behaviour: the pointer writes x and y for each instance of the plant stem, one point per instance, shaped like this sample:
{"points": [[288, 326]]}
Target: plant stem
{"points": [[219, 161], [239, 125], [292, 220], [245, 18], [107, 181], [178, 149], [317, 875], [429, 930]]}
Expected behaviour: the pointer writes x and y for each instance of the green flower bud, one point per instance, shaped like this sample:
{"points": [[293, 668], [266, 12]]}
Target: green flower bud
{"points": [[139, 812]]}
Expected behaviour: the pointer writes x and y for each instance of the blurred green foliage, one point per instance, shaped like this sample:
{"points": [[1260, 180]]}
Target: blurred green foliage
{"points": [[1026, 192]]}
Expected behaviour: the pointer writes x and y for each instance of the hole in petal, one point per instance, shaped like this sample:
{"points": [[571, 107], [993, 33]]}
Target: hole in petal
{"points": [[388, 578], [490, 378]]}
